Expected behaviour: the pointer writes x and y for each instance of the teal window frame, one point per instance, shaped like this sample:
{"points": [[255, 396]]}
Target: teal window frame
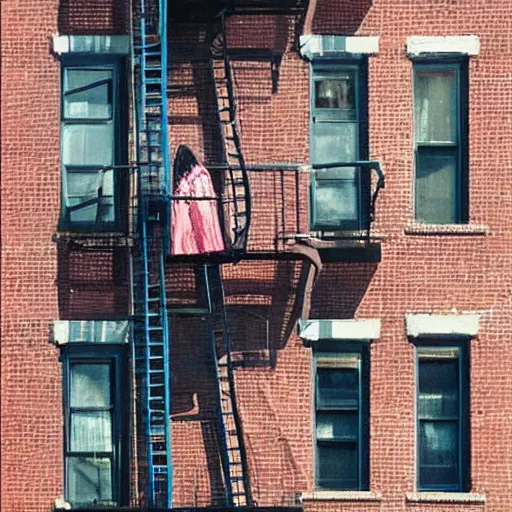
{"points": [[431, 352], [331, 69], [332, 357], [425, 150], [117, 120], [113, 356]]}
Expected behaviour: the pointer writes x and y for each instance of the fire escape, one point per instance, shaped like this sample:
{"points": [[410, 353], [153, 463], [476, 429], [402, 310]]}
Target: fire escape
{"points": [[152, 340], [150, 336]]}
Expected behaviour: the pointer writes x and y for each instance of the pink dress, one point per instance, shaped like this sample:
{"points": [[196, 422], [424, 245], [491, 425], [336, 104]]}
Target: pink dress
{"points": [[195, 224]]}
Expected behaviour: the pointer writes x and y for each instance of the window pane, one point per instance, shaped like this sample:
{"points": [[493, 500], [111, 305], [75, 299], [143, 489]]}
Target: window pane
{"points": [[91, 432], [337, 387], [98, 331], [87, 94], [84, 214], [78, 78], [435, 105], [89, 213], [337, 466], [87, 144], [336, 202], [82, 183], [438, 450], [337, 93], [340, 425], [89, 480], [438, 388], [90, 385], [436, 187], [83, 187], [334, 142]]}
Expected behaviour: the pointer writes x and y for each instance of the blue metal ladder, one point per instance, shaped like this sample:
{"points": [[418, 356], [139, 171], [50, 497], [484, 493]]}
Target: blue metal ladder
{"points": [[233, 453], [151, 245]]}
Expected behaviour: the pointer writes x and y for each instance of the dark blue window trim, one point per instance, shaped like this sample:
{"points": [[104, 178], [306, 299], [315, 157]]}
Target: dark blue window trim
{"points": [[116, 357], [334, 351], [458, 64], [446, 344], [119, 120], [330, 69]]}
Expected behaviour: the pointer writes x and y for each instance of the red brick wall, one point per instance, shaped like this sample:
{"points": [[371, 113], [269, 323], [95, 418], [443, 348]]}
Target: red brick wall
{"points": [[417, 274], [39, 283], [31, 380]]}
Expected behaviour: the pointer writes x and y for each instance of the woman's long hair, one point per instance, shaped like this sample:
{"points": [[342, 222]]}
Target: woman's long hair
{"points": [[183, 162]]}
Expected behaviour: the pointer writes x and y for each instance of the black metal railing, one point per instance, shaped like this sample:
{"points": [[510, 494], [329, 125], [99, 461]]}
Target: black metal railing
{"points": [[353, 181], [282, 202]]}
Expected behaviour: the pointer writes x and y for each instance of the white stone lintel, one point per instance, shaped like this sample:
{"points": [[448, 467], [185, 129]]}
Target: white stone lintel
{"points": [[421, 325], [60, 332], [340, 496], [102, 44], [462, 45], [312, 46], [445, 497], [361, 330]]}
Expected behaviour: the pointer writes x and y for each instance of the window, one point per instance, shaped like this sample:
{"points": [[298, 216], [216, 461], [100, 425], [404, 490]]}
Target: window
{"points": [[442, 409], [440, 122], [91, 139], [95, 424], [342, 419], [339, 134]]}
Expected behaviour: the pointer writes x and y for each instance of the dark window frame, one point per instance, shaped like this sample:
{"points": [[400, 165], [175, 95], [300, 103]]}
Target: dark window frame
{"points": [[322, 69], [341, 350], [459, 64], [461, 344], [116, 357], [119, 120]]}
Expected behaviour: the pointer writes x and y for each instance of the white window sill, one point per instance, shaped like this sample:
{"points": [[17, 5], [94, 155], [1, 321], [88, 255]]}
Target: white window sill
{"points": [[445, 497], [417, 228], [340, 496]]}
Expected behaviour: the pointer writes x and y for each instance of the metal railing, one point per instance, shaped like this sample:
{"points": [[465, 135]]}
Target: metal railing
{"points": [[281, 202]]}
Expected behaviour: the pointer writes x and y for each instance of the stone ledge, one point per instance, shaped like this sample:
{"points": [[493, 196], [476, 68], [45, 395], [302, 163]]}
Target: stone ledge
{"points": [[462, 45], [446, 229], [312, 330], [445, 497], [340, 496], [426, 324]]}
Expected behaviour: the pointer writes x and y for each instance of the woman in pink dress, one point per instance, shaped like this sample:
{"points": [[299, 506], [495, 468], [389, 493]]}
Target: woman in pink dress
{"points": [[195, 225]]}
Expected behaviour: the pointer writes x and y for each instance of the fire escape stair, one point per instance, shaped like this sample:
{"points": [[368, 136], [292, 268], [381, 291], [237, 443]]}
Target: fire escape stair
{"points": [[237, 193], [232, 447]]}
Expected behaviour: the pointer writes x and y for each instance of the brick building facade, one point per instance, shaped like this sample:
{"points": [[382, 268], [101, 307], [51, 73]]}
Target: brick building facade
{"points": [[377, 380]]}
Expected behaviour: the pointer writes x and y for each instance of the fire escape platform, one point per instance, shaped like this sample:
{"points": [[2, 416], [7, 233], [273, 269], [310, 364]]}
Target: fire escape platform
{"points": [[204, 9], [343, 247]]}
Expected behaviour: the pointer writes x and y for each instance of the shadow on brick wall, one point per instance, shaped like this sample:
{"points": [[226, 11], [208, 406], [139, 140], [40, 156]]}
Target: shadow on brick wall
{"points": [[333, 17], [93, 17], [92, 284], [341, 301], [194, 388], [263, 312]]}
